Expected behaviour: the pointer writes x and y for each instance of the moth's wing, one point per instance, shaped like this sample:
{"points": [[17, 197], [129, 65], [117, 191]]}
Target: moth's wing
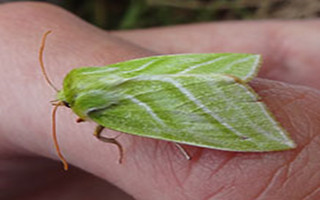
{"points": [[243, 66], [211, 111]]}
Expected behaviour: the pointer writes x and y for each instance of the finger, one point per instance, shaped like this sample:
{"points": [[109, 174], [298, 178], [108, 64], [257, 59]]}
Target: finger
{"points": [[289, 48], [151, 168]]}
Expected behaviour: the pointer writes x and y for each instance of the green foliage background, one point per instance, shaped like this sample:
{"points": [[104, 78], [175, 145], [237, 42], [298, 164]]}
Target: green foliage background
{"points": [[129, 14]]}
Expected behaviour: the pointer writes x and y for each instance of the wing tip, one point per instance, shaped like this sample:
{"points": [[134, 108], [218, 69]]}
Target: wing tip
{"points": [[255, 68], [291, 144]]}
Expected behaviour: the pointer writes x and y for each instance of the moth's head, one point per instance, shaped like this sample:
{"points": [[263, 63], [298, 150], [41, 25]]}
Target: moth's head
{"points": [[62, 99]]}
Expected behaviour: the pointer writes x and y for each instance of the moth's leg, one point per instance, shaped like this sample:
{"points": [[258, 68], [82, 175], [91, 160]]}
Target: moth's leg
{"points": [[97, 133], [183, 151], [80, 120], [116, 137]]}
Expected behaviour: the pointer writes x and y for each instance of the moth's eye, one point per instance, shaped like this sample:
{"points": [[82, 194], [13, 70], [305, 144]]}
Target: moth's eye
{"points": [[66, 104]]}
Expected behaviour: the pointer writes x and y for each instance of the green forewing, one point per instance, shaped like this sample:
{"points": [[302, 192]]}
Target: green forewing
{"points": [[192, 99]]}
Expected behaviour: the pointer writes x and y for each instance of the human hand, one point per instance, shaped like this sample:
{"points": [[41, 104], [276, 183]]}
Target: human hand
{"points": [[152, 169]]}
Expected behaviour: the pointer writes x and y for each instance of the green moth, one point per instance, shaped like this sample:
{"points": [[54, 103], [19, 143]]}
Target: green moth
{"points": [[196, 99]]}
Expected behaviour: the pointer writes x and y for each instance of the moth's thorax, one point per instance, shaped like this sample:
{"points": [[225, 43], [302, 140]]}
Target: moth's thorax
{"points": [[86, 91]]}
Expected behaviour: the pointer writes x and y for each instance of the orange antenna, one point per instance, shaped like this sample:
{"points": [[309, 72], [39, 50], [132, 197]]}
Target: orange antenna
{"points": [[54, 135], [43, 42]]}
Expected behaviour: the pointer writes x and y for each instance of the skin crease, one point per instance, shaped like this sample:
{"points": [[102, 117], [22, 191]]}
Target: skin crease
{"points": [[152, 169]]}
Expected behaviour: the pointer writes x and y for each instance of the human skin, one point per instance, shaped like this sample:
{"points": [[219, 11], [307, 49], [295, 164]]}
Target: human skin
{"points": [[152, 169]]}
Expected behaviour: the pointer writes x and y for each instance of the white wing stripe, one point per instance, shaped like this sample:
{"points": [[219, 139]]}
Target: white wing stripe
{"points": [[140, 68], [253, 69], [102, 70], [229, 66], [205, 63], [146, 107], [202, 106], [193, 99]]}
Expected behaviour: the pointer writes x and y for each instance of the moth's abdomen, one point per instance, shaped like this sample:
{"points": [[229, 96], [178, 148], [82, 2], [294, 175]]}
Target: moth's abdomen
{"points": [[90, 84]]}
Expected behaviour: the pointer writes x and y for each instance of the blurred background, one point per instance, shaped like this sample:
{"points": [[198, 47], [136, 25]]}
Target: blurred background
{"points": [[130, 14]]}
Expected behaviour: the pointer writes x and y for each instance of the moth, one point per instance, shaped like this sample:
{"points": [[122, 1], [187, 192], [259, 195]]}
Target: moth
{"points": [[195, 99]]}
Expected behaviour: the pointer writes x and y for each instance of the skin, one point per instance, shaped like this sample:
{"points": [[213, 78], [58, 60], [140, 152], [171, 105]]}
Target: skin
{"points": [[152, 169]]}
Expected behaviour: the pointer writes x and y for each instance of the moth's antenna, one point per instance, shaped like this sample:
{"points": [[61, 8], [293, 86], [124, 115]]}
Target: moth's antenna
{"points": [[43, 42], [54, 134]]}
